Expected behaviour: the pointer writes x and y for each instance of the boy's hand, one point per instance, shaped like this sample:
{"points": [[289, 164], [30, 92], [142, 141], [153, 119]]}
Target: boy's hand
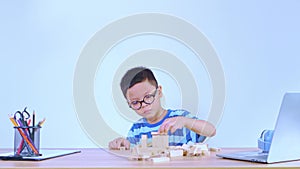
{"points": [[172, 124], [119, 142]]}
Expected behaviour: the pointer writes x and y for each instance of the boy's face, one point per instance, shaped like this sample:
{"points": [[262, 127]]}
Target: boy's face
{"points": [[141, 91]]}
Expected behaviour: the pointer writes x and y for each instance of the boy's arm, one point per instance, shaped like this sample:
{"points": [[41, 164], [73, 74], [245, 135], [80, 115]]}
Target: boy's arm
{"points": [[200, 127]]}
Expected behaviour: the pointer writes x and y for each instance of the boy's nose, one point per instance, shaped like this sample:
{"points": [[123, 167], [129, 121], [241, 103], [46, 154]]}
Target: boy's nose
{"points": [[144, 104]]}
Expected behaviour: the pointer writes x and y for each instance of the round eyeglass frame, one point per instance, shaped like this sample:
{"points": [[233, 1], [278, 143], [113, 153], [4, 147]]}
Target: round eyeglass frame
{"points": [[152, 96]]}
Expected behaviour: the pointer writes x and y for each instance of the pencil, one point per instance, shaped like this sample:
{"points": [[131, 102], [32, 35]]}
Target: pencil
{"points": [[41, 122], [25, 130], [22, 142], [27, 135]]}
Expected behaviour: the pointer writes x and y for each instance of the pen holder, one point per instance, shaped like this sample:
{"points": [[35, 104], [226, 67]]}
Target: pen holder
{"points": [[27, 141]]}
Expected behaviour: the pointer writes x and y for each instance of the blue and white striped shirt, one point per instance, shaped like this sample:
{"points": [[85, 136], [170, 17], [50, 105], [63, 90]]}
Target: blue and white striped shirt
{"points": [[179, 137]]}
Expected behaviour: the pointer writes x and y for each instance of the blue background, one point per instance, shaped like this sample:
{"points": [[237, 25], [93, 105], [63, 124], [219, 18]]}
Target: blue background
{"points": [[257, 43]]}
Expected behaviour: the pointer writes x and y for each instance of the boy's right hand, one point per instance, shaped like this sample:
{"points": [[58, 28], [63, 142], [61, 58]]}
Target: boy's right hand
{"points": [[119, 142]]}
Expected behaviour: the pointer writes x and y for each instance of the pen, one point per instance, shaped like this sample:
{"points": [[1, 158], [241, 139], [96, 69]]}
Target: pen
{"points": [[33, 118], [33, 125]]}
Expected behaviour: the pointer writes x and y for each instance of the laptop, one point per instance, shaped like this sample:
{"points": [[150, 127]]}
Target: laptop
{"points": [[286, 137], [46, 154]]}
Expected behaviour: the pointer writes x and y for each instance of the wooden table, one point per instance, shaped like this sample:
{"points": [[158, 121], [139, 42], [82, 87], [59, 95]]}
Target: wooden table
{"points": [[100, 158]]}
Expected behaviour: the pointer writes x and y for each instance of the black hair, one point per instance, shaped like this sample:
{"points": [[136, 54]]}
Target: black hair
{"points": [[137, 75]]}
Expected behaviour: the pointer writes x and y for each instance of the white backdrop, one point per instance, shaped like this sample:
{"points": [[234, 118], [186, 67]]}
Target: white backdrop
{"points": [[257, 43]]}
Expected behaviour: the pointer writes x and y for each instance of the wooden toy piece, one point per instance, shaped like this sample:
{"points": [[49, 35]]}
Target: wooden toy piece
{"points": [[160, 140], [144, 141], [160, 159], [176, 153], [148, 151], [198, 149], [194, 151], [139, 158], [185, 149], [204, 149], [214, 149], [122, 148], [205, 152]]}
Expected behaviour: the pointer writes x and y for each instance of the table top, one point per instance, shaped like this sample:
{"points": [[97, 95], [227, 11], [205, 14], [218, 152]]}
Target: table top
{"points": [[102, 158]]}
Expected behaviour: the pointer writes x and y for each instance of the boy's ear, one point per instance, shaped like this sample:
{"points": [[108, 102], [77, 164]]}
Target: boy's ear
{"points": [[159, 88]]}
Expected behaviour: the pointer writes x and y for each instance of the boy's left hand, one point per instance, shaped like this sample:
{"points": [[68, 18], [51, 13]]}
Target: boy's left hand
{"points": [[172, 124]]}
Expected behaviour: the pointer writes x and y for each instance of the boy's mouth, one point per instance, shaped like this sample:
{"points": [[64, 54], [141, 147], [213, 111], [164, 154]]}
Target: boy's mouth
{"points": [[147, 112]]}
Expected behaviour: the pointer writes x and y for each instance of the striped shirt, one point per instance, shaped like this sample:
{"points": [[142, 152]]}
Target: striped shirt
{"points": [[179, 137]]}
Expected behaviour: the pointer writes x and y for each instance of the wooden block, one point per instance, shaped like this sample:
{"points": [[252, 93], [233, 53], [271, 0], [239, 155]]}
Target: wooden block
{"points": [[122, 148], [205, 152], [144, 141], [185, 147], [160, 159], [139, 158], [214, 149], [160, 141], [198, 150], [176, 153]]}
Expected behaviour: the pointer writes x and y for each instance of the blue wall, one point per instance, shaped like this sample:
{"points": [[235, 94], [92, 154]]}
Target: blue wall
{"points": [[257, 43]]}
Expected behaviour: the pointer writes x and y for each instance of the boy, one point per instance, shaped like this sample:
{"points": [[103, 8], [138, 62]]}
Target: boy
{"points": [[142, 92]]}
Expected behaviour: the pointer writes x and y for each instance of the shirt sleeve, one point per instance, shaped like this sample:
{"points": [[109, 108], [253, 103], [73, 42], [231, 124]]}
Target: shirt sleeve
{"points": [[132, 135]]}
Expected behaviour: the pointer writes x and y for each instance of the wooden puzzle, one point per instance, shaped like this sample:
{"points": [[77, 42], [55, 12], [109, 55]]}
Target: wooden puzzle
{"points": [[160, 151]]}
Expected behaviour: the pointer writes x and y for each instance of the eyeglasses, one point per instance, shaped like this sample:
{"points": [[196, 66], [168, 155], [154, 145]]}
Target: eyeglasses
{"points": [[148, 99]]}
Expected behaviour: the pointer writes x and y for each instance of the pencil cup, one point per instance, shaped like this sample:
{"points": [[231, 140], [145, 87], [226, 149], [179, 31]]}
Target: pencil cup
{"points": [[27, 141]]}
